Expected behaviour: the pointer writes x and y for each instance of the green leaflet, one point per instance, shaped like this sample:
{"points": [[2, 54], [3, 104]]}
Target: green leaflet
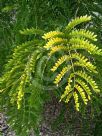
{"points": [[31, 31], [77, 21]]}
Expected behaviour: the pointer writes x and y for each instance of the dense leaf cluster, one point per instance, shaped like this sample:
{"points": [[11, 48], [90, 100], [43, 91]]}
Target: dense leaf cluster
{"points": [[22, 85], [72, 54]]}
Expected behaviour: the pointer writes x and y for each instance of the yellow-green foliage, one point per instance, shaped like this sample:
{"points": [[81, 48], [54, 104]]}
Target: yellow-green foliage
{"points": [[77, 47], [21, 86], [23, 83], [20, 70]]}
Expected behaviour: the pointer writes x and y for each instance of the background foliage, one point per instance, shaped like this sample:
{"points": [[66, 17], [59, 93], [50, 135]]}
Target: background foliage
{"points": [[48, 15]]}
